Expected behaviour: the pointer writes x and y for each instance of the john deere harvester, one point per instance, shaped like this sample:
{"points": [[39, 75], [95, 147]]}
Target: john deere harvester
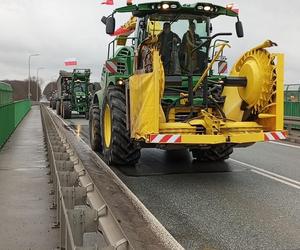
{"points": [[73, 92], [160, 87]]}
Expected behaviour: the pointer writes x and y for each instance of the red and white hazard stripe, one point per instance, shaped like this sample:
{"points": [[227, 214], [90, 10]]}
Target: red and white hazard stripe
{"points": [[111, 67], [275, 136], [222, 67], [161, 138]]}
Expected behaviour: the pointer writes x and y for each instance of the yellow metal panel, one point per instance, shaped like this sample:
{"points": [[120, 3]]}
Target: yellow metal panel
{"points": [[275, 109], [279, 92], [145, 90], [233, 102], [242, 125], [246, 137]]}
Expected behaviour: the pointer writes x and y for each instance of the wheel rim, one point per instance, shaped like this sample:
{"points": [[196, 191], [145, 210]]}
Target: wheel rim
{"points": [[107, 126]]}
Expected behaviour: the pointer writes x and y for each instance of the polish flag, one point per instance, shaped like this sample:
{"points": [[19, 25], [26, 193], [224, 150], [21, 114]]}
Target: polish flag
{"points": [[108, 2], [71, 62], [233, 7]]}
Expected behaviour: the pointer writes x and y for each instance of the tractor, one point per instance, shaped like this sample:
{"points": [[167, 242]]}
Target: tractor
{"points": [[160, 87], [73, 93]]}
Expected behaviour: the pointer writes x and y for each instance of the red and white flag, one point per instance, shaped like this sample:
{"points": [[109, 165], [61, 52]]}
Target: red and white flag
{"points": [[233, 7], [70, 62], [108, 2]]}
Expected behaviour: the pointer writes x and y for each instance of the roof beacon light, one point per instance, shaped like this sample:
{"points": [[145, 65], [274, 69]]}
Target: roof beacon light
{"points": [[165, 6]]}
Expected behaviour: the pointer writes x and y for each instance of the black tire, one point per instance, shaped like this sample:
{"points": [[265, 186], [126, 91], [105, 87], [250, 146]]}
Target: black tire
{"points": [[87, 115], [215, 153], [67, 110], [58, 111], [122, 150], [94, 128], [53, 104]]}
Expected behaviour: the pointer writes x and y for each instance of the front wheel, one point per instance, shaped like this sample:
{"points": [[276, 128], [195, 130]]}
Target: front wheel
{"points": [[118, 148], [58, 108], [87, 115], [67, 109]]}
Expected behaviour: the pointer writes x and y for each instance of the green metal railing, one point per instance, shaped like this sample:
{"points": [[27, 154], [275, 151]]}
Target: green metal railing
{"points": [[292, 104], [11, 115], [292, 109]]}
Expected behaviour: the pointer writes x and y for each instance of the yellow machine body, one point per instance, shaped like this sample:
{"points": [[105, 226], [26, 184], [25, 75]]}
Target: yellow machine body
{"points": [[262, 96]]}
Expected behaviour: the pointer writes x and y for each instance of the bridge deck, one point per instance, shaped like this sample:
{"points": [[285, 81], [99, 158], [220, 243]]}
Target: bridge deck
{"points": [[25, 216]]}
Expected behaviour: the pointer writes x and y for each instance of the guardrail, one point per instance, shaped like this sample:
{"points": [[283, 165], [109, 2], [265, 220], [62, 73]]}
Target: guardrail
{"points": [[104, 213], [79, 206], [11, 115], [292, 122]]}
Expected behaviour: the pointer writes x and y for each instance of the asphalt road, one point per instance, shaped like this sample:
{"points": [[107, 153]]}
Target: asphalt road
{"points": [[251, 201]]}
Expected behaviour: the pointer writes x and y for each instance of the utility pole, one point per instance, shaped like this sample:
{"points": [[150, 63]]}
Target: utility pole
{"points": [[37, 82], [29, 77]]}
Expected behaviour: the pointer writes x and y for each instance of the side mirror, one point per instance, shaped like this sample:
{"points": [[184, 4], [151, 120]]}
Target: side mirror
{"points": [[239, 29], [110, 25], [103, 19]]}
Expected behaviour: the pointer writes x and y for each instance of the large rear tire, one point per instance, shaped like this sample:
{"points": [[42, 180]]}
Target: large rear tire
{"points": [[215, 153], [118, 148], [58, 111], [67, 110], [94, 128]]}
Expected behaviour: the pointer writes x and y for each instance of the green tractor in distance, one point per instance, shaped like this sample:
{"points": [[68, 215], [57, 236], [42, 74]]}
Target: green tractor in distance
{"points": [[73, 93]]}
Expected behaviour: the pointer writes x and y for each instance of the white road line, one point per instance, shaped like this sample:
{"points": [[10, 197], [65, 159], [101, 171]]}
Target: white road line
{"points": [[276, 179], [271, 175], [284, 144]]}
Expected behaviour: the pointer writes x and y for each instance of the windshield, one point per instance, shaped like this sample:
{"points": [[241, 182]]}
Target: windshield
{"points": [[79, 87], [179, 40]]}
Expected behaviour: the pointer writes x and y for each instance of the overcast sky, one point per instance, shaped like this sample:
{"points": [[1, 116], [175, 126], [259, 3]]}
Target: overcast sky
{"points": [[60, 29]]}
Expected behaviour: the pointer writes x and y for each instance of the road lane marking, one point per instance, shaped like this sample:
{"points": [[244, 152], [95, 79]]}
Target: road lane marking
{"points": [[271, 175], [276, 179], [284, 144]]}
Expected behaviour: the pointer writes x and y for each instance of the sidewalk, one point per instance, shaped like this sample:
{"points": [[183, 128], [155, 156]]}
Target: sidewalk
{"points": [[25, 216]]}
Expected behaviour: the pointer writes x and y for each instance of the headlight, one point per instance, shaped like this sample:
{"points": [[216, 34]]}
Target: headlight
{"points": [[165, 6], [207, 8], [120, 82]]}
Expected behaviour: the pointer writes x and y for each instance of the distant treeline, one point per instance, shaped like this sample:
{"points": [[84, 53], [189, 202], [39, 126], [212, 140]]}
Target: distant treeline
{"points": [[20, 89]]}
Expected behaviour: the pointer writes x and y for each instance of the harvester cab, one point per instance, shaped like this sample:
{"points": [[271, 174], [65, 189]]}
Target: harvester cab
{"points": [[159, 87]]}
